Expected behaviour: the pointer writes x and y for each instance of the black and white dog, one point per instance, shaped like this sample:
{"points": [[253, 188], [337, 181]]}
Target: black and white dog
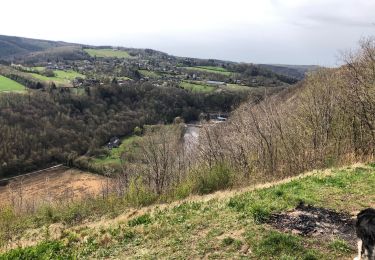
{"points": [[365, 228]]}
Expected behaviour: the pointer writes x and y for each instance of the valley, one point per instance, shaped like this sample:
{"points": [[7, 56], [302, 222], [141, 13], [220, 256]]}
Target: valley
{"points": [[177, 157]]}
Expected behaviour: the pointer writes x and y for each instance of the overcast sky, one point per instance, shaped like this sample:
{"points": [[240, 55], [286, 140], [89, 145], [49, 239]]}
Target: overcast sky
{"points": [[259, 31]]}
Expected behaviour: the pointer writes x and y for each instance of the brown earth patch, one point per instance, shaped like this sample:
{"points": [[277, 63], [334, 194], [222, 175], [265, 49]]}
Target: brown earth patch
{"points": [[57, 185]]}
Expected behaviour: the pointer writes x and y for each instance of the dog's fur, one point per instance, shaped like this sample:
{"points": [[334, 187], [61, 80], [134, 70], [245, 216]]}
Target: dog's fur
{"points": [[365, 228]]}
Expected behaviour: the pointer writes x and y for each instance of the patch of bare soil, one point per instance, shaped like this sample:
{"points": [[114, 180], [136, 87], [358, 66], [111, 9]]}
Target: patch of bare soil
{"points": [[307, 220], [57, 185]]}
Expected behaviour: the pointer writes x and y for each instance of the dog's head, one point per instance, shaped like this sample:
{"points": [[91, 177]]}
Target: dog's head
{"points": [[365, 228]]}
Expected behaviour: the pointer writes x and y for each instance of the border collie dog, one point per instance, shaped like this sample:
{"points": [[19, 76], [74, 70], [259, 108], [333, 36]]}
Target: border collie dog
{"points": [[365, 228]]}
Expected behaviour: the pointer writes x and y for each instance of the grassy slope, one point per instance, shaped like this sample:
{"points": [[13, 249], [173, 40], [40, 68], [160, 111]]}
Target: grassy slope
{"points": [[221, 225], [210, 69], [8, 85], [196, 87], [203, 87], [127, 144], [61, 77], [107, 53], [150, 74], [236, 87]]}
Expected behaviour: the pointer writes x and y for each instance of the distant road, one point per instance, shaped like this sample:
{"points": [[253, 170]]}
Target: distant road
{"points": [[32, 173]]}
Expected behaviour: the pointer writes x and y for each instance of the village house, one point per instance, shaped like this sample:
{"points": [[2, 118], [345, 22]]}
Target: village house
{"points": [[114, 142]]}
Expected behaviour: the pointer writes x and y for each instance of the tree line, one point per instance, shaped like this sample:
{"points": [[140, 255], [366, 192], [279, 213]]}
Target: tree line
{"points": [[53, 126], [324, 121]]}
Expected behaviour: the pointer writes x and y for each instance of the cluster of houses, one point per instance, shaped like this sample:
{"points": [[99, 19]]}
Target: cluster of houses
{"points": [[85, 82], [169, 70], [56, 66]]}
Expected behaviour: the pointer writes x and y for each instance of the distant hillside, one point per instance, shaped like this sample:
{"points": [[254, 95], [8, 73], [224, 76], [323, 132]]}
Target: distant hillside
{"points": [[11, 46], [294, 71], [30, 51]]}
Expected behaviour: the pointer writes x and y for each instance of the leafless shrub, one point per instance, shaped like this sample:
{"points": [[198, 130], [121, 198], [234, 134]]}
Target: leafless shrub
{"points": [[326, 120]]}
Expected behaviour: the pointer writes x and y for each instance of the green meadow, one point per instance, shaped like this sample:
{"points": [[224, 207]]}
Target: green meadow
{"points": [[107, 53], [236, 87], [61, 77], [150, 74], [128, 145], [8, 85], [196, 87], [211, 69]]}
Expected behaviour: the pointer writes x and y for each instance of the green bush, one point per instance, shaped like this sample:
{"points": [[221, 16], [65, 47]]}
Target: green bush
{"points": [[260, 213], [141, 220], [9, 224], [74, 213], [183, 190], [237, 203], [137, 131], [216, 178], [138, 194], [228, 241], [45, 250]]}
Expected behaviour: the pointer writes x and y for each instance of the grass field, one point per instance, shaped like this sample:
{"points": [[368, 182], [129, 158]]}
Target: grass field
{"points": [[8, 85], [211, 69], [203, 88], [236, 87], [224, 225], [128, 144], [124, 78], [61, 77], [197, 87], [107, 53], [150, 74]]}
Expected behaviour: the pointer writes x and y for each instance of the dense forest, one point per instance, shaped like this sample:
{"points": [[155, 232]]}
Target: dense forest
{"points": [[45, 127]]}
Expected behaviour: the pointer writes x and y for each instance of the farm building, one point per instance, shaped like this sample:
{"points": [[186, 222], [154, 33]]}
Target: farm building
{"points": [[114, 142], [215, 83]]}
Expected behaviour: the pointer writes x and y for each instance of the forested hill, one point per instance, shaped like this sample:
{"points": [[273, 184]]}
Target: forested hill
{"points": [[11, 46], [294, 71], [21, 50]]}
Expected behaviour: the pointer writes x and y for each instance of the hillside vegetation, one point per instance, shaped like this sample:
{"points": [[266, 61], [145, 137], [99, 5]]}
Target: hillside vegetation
{"points": [[107, 53], [11, 46], [211, 69], [63, 78], [8, 85], [64, 125], [229, 225], [294, 71], [325, 121]]}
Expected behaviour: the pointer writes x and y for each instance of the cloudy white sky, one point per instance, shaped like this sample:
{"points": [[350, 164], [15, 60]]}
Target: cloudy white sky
{"points": [[259, 31]]}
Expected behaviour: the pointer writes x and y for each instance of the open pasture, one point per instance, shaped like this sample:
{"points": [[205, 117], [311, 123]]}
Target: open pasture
{"points": [[107, 53], [211, 69], [61, 77], [8, 85]]}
